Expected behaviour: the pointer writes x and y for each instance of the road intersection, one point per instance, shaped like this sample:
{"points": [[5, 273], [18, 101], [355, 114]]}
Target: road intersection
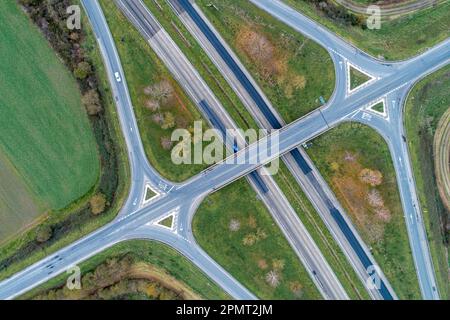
{"points": [[134, 219]]}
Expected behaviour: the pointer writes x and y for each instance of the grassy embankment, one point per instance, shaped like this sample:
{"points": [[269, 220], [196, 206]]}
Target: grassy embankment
{"points": [[292, 70], [151, 261], [427, 102], [75, 220], [48, 149], [395, 40], [357, 164]]}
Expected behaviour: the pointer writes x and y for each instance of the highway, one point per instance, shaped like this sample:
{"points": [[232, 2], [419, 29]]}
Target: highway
{"points": [[301, 167], [277, 204], [136, 220]]}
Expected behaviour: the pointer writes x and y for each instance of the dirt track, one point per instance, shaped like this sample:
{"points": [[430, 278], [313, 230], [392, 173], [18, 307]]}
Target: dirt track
{"points": [[441, 147]]}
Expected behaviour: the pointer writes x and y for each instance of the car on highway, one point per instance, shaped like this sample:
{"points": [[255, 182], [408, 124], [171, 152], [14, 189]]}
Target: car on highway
{"points": [[118, 78]]}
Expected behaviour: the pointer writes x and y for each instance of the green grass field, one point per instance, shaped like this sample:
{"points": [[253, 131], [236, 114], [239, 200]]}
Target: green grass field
{"points": [[44, 130], [254, 248], [143, 68], [427, 102], [154, 253], [395, 40], [295, 72], [341, 155]]}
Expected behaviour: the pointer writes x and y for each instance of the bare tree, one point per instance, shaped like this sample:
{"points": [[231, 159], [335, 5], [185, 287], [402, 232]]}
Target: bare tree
{"points": [[375, 198], [372, 177], [161, 91], [273, 278], [235, 225]]}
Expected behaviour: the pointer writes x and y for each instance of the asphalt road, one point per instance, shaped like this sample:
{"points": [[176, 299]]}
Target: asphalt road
{"points": [[135, 219]]}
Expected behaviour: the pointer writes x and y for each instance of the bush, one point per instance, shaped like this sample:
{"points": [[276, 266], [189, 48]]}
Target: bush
{"points": [[43, 234], [98, 203]]}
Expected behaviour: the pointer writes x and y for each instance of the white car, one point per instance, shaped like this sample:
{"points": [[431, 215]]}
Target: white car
{"points": [[118, 78]]}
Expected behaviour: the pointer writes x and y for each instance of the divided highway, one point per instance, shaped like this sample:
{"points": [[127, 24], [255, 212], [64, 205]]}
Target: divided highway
{"points": [[137, 220]]}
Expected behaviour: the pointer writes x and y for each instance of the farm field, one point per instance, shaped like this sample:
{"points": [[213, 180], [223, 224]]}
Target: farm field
{"points": [[45, 135], [426, 105], [356, 163]]}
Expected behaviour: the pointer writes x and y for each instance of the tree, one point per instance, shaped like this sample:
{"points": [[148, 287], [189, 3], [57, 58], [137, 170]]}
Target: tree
{"points": [[273, 278], [161, 91], [375, 198], [372, 177], [43, 234], [98, 203], [168, 121], [91, 101], [152, 105], [166, 143], [82, 70], [234, 225], [249, 239], [278, 264]]}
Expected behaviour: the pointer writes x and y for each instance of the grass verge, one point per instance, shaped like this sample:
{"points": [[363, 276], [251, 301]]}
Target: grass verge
{"points": [[320, 234], [146, 74]]}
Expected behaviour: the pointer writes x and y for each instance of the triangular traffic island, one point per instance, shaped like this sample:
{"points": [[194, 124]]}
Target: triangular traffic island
{"points": [[357, 78], [379, 108], [149, 193], [167, 222]]}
